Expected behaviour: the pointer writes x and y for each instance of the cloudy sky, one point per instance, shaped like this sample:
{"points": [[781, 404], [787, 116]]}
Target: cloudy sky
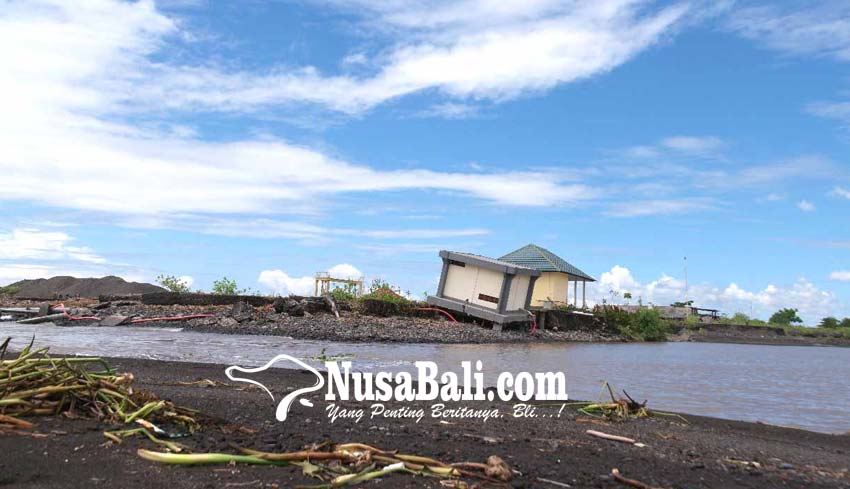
{"points": [[266, 141]]}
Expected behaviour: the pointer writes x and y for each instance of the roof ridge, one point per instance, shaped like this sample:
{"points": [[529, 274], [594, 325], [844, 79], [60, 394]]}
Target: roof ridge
{"points": [[547, 255]]}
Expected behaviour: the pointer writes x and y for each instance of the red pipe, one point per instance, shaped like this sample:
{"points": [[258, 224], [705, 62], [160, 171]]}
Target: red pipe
{"points": [[172, 318], [77, 318], [438, 310]]}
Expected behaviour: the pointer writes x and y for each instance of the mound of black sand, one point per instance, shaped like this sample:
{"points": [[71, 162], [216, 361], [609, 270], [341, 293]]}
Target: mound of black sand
{"points": [[62, 287]]}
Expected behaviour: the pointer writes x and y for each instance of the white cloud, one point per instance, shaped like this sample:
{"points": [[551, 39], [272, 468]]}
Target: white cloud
{"points": [[643, 151], [691, 144], [276, 229], [451, 110], [830, 110], [841, 192], [33, 244], [344, 270], [812, 302], [15, 272], [68, 78], [187, 280], [640, 208], [619, 279], [840, 275], [819, 30], [774, 197], [524, 48], [281, 283], [493, 57], [801, 167], [29, 253], [805, 206]]}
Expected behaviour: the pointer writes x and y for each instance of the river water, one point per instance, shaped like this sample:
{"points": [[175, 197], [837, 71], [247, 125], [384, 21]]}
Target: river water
{"points": [[804, 387]]}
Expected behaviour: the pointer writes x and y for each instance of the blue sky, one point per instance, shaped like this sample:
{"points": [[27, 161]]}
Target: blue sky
{"points": [[266, 141]]}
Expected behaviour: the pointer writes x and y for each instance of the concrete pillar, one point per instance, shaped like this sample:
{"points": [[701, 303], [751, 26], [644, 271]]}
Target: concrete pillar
{"points": [[575, 293], [584, 294], [442, 285], [505, 293]]}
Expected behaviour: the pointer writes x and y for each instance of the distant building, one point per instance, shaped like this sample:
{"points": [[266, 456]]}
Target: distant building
{"points": [[556, 274], [485, 288]]}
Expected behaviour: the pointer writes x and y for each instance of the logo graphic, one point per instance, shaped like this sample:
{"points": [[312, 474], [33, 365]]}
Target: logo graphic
{"points": [[283, 406], [424, 383]]}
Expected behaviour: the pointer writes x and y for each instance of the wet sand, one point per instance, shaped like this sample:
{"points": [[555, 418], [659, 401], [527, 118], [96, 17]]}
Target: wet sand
{"points": [[706, 452]]}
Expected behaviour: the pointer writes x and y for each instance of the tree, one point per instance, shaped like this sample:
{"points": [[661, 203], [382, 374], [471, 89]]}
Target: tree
{"points": [[829, 322], [845, 323], [225, 286], [682, 304], [172, 283], [786, 317]]}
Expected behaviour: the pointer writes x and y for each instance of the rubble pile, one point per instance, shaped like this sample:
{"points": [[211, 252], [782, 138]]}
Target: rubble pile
{"points": [[313, 318]]}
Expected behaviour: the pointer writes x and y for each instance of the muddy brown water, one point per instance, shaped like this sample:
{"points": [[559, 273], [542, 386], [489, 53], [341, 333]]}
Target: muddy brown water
{"points": [[803, 387]]}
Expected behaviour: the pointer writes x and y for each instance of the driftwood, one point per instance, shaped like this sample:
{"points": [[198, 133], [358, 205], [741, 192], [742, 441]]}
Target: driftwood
{"points": [[330, 300], [606, 436], [630, 482], [554, 483]]}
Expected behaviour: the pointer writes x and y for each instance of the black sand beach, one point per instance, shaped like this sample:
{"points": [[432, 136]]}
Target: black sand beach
{"points": [[704, 453]]}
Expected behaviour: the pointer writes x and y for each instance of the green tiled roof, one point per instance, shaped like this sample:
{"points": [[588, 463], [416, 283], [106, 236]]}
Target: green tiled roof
{"points": [[533, 256]]}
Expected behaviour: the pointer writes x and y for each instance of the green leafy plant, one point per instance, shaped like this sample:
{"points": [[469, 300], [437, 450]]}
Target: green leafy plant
{"points": [[644, 325], [172, 283], [226, 286], [786, 317], [343, 294], [845, 323], [378, 284], [647, 325], [829, 322]]}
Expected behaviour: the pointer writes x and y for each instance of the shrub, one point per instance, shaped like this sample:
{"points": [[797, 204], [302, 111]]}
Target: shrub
{"points": [[615, 319], [387, 295], [692, 321], [340, 294], [829, 322], [785, 317], [647, 325], [226, 286], [9, 290], [740, 318], [172, 283], [382, 290]]}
